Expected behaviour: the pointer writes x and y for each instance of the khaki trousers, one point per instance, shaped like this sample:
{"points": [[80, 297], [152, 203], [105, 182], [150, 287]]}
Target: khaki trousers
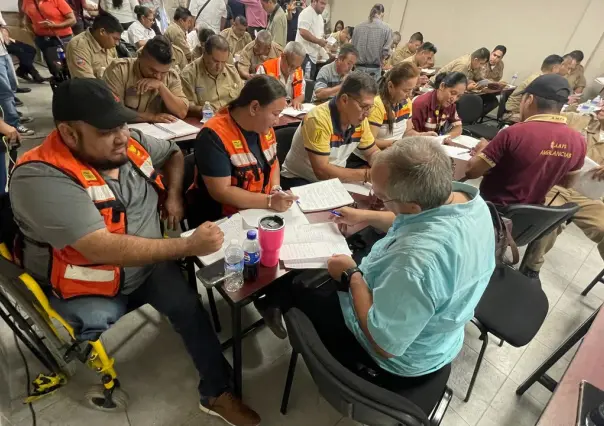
{"points": [[590, 218]]}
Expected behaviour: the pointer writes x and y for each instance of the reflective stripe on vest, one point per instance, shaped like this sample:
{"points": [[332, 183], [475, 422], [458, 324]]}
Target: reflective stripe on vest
{"points": [[272, 67], [71, 274]]}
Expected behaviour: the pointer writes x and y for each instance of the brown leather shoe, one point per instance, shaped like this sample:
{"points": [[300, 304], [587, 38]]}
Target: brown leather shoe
{"points": [[231, 409]]}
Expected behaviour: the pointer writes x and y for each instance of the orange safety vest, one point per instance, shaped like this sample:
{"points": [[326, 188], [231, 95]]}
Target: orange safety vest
{"points": [[70, 273], [246, 172], [272, 67]]}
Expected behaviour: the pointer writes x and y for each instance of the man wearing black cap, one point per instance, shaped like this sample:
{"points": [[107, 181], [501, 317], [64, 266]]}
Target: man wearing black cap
{"points": [[527, 159], [91, 192]]}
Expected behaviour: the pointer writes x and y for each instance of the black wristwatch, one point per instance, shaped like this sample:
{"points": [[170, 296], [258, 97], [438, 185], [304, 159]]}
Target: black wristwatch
{"points": [[347, 275]]}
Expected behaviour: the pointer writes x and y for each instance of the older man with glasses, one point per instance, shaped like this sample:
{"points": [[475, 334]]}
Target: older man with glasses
{"points": [[330, 134]]}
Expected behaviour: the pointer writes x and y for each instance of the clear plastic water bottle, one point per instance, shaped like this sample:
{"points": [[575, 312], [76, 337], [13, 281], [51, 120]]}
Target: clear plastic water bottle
{"points": [[307, 69], [233, 266], [208, 112], [514, 78], [251, 256]]}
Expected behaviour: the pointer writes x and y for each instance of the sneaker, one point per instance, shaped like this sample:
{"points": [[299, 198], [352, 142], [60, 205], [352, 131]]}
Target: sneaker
{"points": [[230, 409], [24, 119], [23, 90], [18, 102], [24, 131], [533, 275]]}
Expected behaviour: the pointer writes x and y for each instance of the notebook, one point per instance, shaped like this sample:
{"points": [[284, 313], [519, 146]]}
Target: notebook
{"points": [[292, 112], [324, 195], [312, 244], [166, 131], [586, 185]]}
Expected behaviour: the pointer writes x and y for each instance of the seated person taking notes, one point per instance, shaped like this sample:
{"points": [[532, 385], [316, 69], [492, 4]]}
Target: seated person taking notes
{"points": [[203, 35], [256, 53], [472, 66], [401, 313], [237, 36], [236, 154], [422, 58], [330, 133], [494, 68], [210, 78], [140, 31], [330, 77], [148, 85], [390, 119], [526, 160], [177, 31], [288, 70], [88, 54], [402, 52], [91, 192], [435, 111]]}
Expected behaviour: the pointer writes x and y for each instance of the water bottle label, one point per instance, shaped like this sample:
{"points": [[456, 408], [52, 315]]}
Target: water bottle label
{"points": [[251, 258]]}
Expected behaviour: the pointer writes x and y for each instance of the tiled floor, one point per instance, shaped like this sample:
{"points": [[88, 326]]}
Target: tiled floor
{"points": [[157, 373]]}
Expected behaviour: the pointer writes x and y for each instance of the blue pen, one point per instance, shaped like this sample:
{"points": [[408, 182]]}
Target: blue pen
{"points": [[335, 213]]}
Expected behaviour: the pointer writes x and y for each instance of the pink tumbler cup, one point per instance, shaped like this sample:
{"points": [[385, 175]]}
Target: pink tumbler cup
{"points": [[271, 231]]}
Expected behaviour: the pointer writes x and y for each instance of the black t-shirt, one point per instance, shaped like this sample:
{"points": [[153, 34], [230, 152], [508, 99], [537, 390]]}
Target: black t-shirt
{"points": [[212, 158]]}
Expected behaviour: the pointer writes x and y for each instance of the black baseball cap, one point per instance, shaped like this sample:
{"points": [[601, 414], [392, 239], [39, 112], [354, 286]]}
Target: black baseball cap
{"points": [[549, 86], [90, 100]]}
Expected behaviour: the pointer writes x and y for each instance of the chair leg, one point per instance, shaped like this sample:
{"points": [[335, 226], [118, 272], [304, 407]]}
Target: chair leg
{"points": [[214, 311], [485, 342], [289, 381], [591, 285], [500, 342]]}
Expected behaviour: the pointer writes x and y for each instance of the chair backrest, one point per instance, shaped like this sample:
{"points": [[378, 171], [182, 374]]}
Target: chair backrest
{"points": [[531, 222], [348, 393], [284, 135], [503, 98], [310, 88], [469, 108]]}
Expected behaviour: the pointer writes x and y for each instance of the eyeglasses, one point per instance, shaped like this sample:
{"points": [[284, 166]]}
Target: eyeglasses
{"points": [[364, 108]]}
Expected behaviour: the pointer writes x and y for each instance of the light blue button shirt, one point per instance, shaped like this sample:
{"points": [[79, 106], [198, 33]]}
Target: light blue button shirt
{"points": [[426, 276]]}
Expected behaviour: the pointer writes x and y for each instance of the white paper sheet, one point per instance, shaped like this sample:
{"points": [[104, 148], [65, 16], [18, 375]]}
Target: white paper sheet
{"points": [[314, 251], [292, 112], [428, 71], [324, 195], [317, 232], [291, 217], [178, 128], [313, 243], [304, 264], [151, 130], [586, 185], [457, 153], [466, 141], [233, 230], [359, 188]]}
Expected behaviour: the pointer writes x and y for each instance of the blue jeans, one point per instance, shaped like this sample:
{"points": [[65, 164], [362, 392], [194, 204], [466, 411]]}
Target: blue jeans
{"points": [[168, 291], [8, 85]]}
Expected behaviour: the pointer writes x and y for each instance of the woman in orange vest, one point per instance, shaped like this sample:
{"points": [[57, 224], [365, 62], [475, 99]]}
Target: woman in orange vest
{"points": [[236, 155]]}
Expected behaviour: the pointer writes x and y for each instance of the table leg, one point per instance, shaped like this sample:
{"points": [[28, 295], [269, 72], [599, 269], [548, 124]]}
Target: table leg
{"points": [[539, 375], [237, 367]]}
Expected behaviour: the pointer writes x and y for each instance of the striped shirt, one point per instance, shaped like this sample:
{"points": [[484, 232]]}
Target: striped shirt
{"points": [[373, 40], [428, 116], [379, 118]]}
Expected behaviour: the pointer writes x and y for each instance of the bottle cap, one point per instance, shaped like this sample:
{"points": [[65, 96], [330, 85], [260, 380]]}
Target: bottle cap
{"points": [[251, 234]]}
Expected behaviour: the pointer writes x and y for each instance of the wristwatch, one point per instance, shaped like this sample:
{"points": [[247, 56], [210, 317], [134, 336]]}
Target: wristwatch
{"points": [[347, 275]]}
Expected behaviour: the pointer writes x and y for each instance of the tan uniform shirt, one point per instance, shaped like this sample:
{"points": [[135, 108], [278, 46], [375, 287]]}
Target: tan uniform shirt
{"points": [[462, 64], [122, 75], [400, 54], [494, 73], [177, 37], [592, 129], [201, 87], [576, 79], [411, 59], [236, 43], [513, 103], [179, 59], [197, 52], [86, 58], [248, 59]]}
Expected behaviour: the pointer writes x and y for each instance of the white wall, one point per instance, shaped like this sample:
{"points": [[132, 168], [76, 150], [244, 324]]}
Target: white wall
{"points": [[530, 29]]}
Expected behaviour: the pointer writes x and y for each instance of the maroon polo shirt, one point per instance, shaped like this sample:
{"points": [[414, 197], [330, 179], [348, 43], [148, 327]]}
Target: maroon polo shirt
{"points": [[429, 117], [529, 158]]}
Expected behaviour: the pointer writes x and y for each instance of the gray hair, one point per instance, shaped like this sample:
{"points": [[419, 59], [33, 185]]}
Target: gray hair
{"points": [[264, 37], [295, 48], [419, 171]]}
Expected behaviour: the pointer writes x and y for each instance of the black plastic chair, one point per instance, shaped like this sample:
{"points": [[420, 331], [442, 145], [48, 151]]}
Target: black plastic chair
{"points": [[190, 262], [285, 136], [481, 130], [310, 88], [598, 279], [469, 108], [351, 395], [513, 306]]}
